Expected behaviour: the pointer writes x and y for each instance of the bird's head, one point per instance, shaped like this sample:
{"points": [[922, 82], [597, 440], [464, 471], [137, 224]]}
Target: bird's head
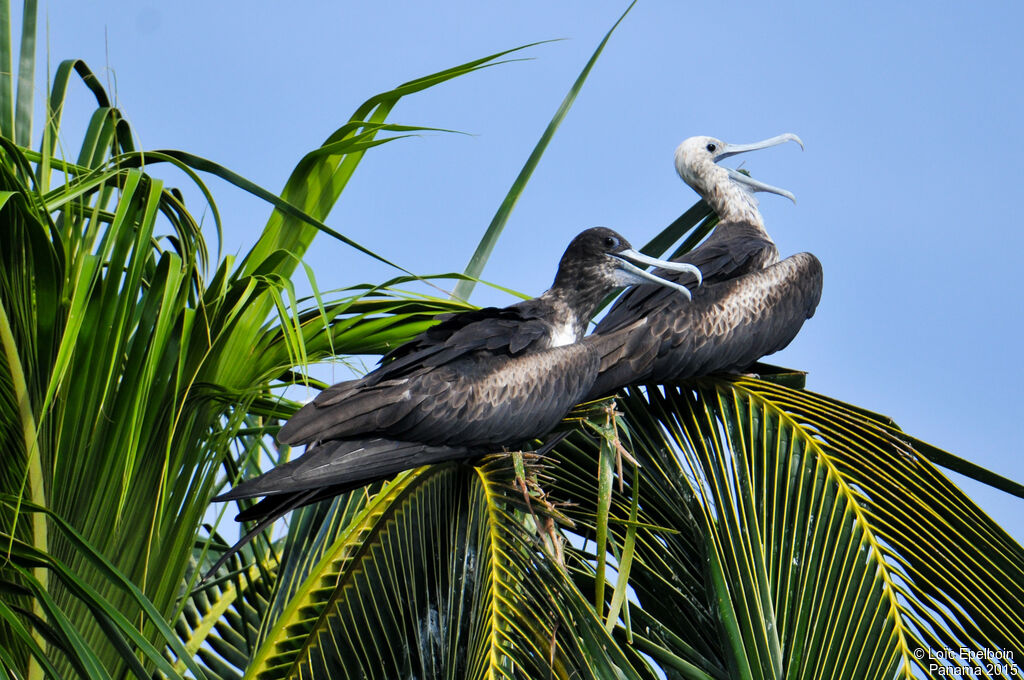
{"points": [[603, 258], [697, 164]]}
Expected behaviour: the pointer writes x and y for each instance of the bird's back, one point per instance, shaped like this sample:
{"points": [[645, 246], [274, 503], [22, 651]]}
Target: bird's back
{"points": [[481, 378], [727, 327]]}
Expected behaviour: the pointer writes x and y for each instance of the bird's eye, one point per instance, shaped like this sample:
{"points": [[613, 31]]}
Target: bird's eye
{"points": [[611, 242], [711, 148]]}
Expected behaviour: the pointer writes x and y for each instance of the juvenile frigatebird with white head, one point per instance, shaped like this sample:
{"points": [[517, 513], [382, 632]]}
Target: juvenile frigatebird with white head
{"points": [[739, 243], [750, 305], [478, 382]]}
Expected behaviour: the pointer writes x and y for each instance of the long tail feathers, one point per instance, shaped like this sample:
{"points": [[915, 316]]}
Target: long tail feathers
{"points": [[345, 462], [324, 471], [329, 469]]}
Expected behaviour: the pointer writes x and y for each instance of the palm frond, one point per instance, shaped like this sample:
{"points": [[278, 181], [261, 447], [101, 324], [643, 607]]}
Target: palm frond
{"points": [[436, 576], [799, 537], [475, 267], [67, 649], [220, 621], [128, 377]]}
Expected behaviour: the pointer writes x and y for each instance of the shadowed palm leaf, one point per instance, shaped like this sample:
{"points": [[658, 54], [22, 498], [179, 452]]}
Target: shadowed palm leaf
{"points": [[437, 577], [810, 539]]}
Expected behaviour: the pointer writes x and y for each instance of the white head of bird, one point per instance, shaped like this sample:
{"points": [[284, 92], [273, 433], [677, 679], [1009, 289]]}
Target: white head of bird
{"points": [[729, 192]]}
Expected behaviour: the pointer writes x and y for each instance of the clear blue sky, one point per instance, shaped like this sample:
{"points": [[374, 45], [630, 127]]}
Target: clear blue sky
{"points": [[908, 189]]}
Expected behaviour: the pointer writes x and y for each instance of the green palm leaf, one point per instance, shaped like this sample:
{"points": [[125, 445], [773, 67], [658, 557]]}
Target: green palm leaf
{"points": [[220, 622], [490, 238], [437, 577], [810, 540], [127, 378], [67, 648]]}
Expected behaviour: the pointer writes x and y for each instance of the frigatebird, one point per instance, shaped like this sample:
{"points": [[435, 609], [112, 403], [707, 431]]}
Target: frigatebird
{"points": [[478, 382], [750, 304]]}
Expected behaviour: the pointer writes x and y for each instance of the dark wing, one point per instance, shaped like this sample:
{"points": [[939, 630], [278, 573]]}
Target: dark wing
{"points": [[726, 327], [497, 402], [416, 373], [731, 325], [500, 401], [342, 464], [733, 249], [508, 330], [625, 356], [348, 409], [481, 399]]}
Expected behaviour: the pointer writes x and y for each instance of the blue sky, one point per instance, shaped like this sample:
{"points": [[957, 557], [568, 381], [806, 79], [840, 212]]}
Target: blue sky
{"points": [[908, 189]]}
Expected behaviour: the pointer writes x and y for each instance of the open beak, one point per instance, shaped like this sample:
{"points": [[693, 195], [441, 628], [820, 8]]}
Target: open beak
{"points": [[754, 185], [629, 273]]}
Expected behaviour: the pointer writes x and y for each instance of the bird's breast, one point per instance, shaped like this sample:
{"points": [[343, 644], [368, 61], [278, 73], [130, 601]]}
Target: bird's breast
{"points": [[564, 333]]}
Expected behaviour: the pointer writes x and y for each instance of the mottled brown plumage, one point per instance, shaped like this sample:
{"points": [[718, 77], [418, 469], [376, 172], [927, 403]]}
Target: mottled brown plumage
{"points": [[476, 382], [750, 304]]}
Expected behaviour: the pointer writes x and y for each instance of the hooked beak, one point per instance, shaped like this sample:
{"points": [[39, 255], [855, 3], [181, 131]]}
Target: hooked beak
{"points": [[733, 149], [629, 273]]}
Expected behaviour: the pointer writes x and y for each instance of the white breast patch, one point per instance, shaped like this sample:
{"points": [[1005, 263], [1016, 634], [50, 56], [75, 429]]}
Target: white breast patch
{"points": [[564, 334]]}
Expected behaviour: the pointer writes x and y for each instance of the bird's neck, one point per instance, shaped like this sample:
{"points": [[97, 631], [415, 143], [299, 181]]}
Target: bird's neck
{"points": [[734, 203], [570, 308]]}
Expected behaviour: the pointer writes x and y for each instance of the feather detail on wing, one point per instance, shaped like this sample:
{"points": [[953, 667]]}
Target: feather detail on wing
{"points": [[340, 462], [479, 399], [508, 330], [737, 322], [726, 327]]}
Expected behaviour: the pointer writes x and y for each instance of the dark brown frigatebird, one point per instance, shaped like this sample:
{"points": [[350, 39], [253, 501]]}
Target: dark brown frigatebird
{"points": [[478, 382], [750, 304]]}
